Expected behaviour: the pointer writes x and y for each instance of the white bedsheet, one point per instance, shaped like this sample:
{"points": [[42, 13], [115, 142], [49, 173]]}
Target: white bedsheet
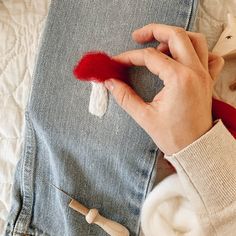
{"points": [[21, 23]]}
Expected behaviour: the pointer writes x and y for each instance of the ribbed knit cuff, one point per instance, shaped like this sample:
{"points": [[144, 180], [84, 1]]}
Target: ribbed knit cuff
{"points": [[209, 166]]}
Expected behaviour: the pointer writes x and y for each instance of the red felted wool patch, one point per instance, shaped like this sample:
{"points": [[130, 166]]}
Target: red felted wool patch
{"points": [[98, 67]]}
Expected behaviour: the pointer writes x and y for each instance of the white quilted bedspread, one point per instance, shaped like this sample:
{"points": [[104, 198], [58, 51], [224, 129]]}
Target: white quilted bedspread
{"points": [[21, 23]]}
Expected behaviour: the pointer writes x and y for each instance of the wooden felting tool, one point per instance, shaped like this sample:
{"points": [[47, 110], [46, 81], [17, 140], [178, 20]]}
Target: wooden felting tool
{"points": [[92, 216]]}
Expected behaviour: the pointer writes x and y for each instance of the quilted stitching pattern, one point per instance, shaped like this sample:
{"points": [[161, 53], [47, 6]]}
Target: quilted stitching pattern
{"points": [[212, 16], [21, 23]]}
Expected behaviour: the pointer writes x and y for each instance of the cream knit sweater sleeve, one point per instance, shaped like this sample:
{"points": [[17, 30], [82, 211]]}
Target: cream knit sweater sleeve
{"points": [[207, 172]]}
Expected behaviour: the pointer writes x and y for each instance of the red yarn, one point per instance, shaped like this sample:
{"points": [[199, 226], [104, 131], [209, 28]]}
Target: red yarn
{"points": [[98, 67]]}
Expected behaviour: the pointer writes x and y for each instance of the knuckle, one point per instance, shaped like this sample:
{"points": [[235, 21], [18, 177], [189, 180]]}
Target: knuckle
{"points": [[185, 78], [122, 97], [190, 80], [201, 37], [149, 50], [152, 25], [176, 31]]}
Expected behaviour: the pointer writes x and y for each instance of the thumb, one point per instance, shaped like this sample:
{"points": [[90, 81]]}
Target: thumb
{"points": [[128, 99]]}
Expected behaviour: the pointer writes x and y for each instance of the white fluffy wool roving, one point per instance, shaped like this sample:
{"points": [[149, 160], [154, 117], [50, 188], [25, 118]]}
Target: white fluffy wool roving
{"points": [[166, 211]]}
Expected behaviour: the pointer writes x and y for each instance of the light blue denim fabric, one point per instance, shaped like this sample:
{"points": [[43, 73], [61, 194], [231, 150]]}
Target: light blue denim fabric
{"points": [[106, 163]]}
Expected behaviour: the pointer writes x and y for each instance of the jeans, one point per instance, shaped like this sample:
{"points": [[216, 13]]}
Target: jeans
{"points": [[106, 163]]}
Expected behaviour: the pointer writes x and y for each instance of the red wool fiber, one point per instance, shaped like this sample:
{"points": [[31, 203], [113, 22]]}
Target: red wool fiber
{"points": [[98, 67]]}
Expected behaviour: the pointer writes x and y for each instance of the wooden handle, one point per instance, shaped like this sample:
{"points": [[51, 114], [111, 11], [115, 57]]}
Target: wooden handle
{"points": [[111, 227], [78, 207], [92, 216]]}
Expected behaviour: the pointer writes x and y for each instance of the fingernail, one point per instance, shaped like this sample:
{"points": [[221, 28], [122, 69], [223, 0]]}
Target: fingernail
{"points": [[109, 84]]}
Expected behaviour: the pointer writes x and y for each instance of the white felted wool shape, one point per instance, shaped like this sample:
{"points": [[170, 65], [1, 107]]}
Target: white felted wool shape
{"points": [[98, 99]]}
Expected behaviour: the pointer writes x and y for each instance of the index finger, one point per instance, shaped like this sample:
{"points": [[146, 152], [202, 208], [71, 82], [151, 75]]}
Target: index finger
{"points": [[156, 62], [177, 39]]}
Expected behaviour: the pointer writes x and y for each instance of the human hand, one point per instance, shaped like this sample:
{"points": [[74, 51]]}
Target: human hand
{"points": [[181, 112]]}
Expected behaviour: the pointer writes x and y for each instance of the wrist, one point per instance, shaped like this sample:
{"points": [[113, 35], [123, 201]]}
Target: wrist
{"points": [[187, 137]]}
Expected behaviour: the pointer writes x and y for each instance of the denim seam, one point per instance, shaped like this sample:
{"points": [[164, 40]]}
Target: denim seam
{"points": [[24, 218], [29, 232], [192, 15], [150, 180]]}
